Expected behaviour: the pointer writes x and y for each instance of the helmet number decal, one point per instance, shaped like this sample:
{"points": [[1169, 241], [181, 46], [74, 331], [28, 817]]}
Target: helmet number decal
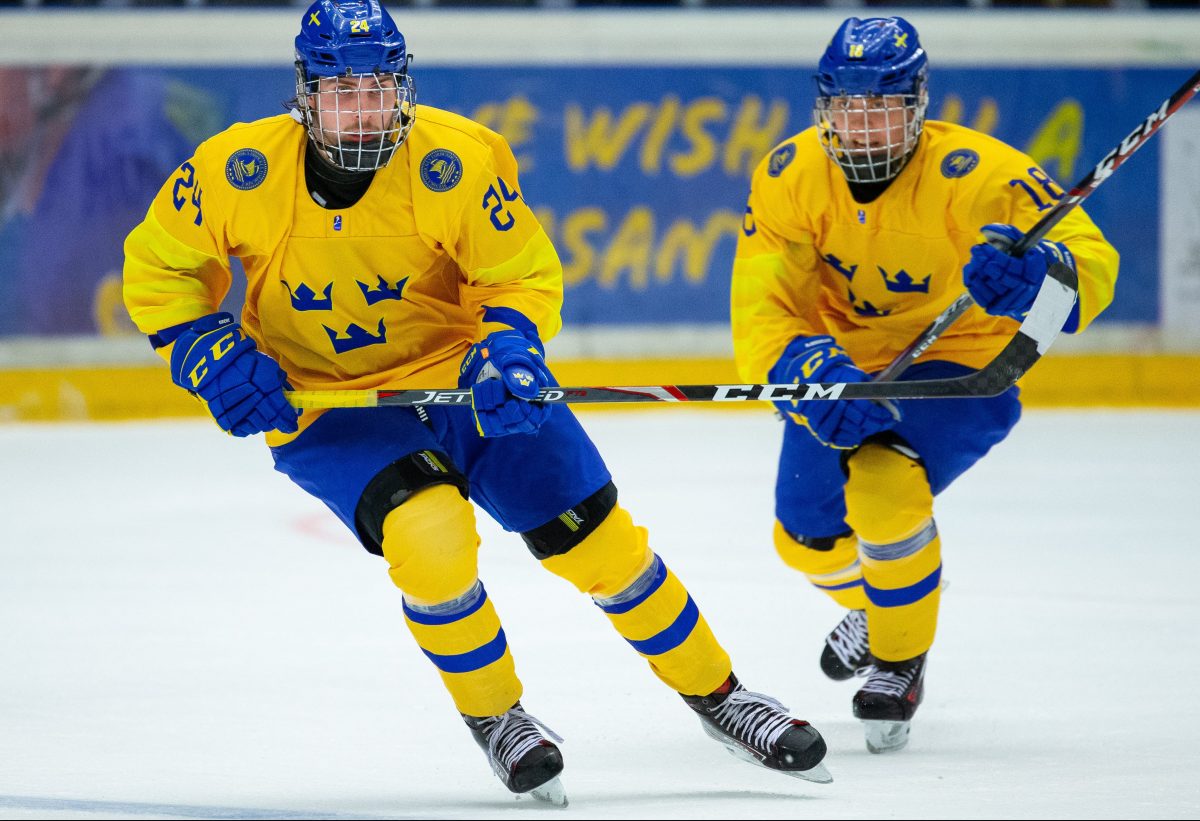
{"points": [[1051, 190], [360, 26], [187, 180], [502, 218]]}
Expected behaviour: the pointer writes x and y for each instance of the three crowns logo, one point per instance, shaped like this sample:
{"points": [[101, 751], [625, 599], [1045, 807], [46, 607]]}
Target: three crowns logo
{"points": [[903, 283], [867, 309], [382, 291], [306, 299], [356, 337], [840, 267]]}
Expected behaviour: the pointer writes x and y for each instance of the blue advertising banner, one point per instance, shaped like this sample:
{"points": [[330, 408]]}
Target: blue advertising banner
{"points": [[639, 174]]}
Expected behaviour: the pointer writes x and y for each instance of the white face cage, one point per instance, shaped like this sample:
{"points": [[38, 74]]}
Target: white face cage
{"points": [[870, 137], [357, 121]]}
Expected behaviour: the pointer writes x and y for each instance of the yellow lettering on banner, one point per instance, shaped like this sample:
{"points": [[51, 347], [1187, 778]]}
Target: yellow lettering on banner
{"points": [[582, 256], [750, 138], [704, 147], [952, 109], [514, 119], [696, 247], [600, 141], [1058, 139], [660, 132], [108, 307], [986, 118], [630, 250], [588, 249], [599, 138]]}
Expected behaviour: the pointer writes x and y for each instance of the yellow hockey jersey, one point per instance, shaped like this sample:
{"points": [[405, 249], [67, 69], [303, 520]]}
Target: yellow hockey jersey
{"points": [[388, 293], [811, 260]]}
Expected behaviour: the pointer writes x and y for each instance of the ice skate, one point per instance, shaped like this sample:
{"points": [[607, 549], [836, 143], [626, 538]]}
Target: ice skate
{"points": [[757, 728], [888, 700], [522, 758], [846, 650]]}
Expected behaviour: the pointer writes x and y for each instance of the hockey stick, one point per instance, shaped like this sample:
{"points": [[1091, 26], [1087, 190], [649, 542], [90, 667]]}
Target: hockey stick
{"points": [[1042, 324], [1082, 190]]}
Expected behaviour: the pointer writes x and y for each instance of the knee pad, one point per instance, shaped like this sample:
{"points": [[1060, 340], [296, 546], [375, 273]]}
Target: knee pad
{"points": [[396, 483], [612, 557], [431, 545], [815, 555], [571, 527], [830, 563], [887, 494]]}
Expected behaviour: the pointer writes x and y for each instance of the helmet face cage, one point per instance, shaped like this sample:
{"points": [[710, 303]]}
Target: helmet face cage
{"points": [[356, 121], [872, 94], [353, 90], [870, 137]]}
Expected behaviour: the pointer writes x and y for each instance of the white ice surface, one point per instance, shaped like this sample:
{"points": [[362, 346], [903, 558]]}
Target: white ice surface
{"points": [[185, 634]]}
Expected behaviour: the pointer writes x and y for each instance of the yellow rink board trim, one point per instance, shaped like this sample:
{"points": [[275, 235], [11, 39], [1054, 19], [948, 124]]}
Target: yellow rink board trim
{"points": [[140, 392]]}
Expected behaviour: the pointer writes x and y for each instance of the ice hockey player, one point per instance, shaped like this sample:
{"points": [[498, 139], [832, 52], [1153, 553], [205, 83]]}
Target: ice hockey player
{"points": [[859, 231], [387, 245]]}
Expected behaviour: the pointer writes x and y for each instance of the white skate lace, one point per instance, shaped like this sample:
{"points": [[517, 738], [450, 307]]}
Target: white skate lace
{"points": [[888, 682], [753, 717], [849, 638], [511, 736]]}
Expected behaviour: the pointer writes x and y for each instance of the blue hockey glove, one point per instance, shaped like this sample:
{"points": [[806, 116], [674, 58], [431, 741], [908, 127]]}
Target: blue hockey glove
{"points": [[841, 423], [504, 372], [1005, 285], [242, 387]]}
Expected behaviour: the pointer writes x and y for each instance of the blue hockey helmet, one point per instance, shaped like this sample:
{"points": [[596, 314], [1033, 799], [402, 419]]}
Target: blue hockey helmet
{"points": [[339, 37], [353, 90], [872, 93], [875, 56]]}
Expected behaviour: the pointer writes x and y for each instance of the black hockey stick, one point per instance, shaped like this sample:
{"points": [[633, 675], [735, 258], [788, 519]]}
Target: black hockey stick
{"points": [[1042, 324], [1082, 190]]}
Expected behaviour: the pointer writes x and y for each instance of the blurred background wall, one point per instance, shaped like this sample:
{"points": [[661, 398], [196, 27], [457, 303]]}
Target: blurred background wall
{"points": [[636, 130]]}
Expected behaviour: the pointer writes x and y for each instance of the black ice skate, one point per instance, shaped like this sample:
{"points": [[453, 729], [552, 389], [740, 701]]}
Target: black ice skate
{"points": [[524, 759], [757, 728], [846, 650], [888, 701]]}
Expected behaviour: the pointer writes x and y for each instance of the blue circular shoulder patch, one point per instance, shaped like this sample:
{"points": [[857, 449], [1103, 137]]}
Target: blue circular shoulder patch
{"points": [[781, 159], [959, 163], [246, 168], [441, 170]]}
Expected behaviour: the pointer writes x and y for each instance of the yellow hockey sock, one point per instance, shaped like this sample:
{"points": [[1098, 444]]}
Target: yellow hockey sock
{"points": [[890, 506], [432, 546], [646, 603], [464, 640]]}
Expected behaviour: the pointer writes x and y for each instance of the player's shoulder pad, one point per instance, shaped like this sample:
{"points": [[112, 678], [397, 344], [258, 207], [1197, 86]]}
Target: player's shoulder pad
{"points": [[446, 148], [251, 156], [959, 153], [786, 160]]}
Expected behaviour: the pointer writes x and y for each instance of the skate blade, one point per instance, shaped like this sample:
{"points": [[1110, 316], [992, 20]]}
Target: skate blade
{"points": [[552, 792], [817, 774], [886, 736]]}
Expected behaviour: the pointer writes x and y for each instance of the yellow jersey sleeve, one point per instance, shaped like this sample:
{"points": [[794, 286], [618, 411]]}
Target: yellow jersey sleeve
{"points": [[506, 258], [775, 279], [176, 268], [1020, 193]]}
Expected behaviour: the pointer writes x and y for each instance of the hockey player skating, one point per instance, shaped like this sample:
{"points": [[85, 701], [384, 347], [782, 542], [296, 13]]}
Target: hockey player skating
{"points": [[388, 245], [858, 232]]}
